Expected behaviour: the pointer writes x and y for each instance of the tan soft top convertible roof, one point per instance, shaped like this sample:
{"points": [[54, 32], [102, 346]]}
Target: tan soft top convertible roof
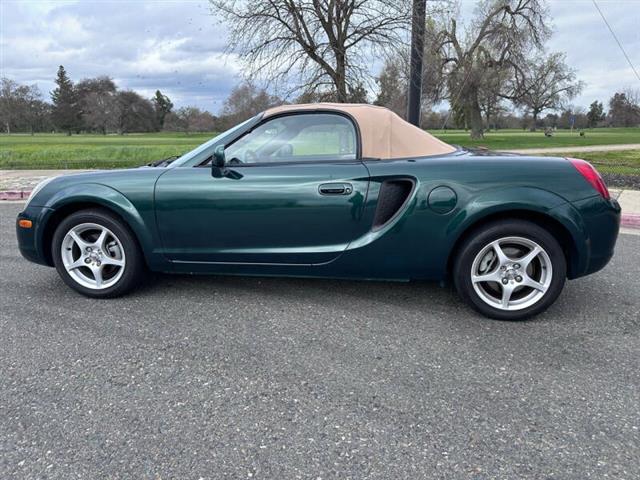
{"points": [[384, 134]]}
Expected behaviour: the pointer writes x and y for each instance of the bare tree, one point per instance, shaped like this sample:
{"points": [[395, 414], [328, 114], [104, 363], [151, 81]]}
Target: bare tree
{"points": [[491, 94], [547, 83], [245, 101], [98, 103], [20, 105], [393, 80], [501, 36], [189, 120], [323, 44], [101, 111]]}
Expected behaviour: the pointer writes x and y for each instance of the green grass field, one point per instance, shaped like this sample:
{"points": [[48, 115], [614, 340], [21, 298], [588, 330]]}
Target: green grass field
{"points": [[625, 162], [111, 151], [93, 151], [518, 139]]}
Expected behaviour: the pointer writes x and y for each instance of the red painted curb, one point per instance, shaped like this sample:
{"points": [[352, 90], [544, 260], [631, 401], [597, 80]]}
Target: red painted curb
{"points": [[629, 220], [14, 194]]}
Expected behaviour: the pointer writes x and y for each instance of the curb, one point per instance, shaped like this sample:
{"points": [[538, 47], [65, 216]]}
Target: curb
{"points": [[628, 220], [14, 194]]}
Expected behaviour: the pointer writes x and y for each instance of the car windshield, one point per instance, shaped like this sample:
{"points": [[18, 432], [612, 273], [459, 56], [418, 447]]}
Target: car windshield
{"points": [[206, 149]]}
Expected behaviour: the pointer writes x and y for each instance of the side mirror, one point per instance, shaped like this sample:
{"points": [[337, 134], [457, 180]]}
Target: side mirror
{"points": [[219, 159], [219, 165]]}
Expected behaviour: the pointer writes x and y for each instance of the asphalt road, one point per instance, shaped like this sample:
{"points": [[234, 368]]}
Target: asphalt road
{"points": [[212, 377]]}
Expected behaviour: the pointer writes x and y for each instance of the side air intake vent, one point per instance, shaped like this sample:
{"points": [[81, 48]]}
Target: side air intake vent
{"points": [[393, 195]]}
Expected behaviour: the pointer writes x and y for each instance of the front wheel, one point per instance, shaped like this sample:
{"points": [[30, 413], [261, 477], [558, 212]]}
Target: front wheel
{"points": [[510, 270], [96, 254]]}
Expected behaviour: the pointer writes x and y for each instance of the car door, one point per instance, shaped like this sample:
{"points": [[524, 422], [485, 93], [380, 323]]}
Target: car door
{"points": [[292, 192]]}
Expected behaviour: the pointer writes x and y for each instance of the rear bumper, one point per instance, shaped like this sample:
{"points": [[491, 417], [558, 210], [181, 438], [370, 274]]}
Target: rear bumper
{"points": [[601, 224], [30, 240]]}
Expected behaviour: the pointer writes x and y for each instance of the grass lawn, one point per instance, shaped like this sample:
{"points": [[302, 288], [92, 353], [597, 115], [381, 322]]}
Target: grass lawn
{"points": [[112, 151], [518, 139], [625, 162], [93, 151]]}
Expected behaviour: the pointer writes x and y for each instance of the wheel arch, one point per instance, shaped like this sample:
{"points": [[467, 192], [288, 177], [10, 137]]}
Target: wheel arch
{"points": [[96, 196], [553, 225], [60, 214]]}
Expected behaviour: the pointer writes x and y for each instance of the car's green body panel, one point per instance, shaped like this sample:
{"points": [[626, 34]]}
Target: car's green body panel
{"points": [[273, 214], [272, 219]]}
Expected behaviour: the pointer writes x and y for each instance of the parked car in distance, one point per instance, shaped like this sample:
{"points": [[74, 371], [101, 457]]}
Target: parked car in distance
{"points": [[332, 190]]}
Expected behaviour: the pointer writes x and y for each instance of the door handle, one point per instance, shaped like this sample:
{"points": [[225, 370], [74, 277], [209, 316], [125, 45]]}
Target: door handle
{"points": [[335, 189]]}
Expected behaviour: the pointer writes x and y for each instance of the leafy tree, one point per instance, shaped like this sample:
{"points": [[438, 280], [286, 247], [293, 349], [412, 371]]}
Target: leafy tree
{"points": [[595, 114], [432, 119], [392, 86], [162, 105], [551, 120], [623, 110], [134, 113], [66, 110], [574, 117], [320, 43]]}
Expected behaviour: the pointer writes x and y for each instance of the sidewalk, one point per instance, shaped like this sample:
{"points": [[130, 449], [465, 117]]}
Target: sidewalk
{"points": [[17, 185], [630, 202], [589, 148]]}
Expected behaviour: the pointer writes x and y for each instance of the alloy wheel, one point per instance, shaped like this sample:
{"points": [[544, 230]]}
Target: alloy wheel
{"points": [[93, 256], [511, 273]]}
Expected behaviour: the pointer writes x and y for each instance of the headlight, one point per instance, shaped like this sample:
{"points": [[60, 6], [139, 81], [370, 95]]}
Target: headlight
{"points": [[37, 188]]}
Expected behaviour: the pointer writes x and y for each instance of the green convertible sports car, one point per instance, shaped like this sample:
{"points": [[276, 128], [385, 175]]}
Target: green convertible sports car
{"points": [[331, 190]]}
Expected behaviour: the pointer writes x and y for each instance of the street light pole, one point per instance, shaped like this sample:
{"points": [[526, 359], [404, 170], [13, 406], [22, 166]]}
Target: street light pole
{"points": [[417, 51]]}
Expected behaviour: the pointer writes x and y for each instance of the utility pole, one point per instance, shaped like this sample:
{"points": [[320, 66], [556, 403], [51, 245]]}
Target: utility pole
{"points": [[417, 52]]}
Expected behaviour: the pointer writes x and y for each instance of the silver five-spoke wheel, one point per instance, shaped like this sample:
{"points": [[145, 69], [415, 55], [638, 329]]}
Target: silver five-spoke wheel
{"points": [[511, 273], [93, 256]]}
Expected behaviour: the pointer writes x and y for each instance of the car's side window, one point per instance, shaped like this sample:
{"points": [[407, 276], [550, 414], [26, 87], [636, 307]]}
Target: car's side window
{"points": [[304, 137]]}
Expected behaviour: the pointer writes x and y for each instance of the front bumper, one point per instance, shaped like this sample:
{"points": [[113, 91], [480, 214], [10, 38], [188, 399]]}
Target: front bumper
{"points": [[31, 240]]}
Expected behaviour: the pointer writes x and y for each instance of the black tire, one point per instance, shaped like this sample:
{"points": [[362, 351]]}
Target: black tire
{"points": [[134, 268], [480, 239]]}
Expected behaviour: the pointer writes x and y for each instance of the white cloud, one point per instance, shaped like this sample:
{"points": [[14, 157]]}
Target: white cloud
{"points": [[172, 45]]}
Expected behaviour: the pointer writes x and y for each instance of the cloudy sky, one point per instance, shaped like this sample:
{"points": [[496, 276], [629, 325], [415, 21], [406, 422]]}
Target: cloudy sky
{"points": [[176, 45]]}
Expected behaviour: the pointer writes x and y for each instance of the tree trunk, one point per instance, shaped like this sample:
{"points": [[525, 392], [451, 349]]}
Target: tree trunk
{"points": [[473, 114], [340, 79], [535, 121]]}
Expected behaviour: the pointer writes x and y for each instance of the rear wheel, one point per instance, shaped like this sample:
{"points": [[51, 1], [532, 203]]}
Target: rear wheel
{"points": [[96, 254], [510, 270]]}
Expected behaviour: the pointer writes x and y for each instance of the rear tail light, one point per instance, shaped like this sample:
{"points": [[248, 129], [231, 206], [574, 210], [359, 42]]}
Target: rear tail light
{"points": [[591, 175]]}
